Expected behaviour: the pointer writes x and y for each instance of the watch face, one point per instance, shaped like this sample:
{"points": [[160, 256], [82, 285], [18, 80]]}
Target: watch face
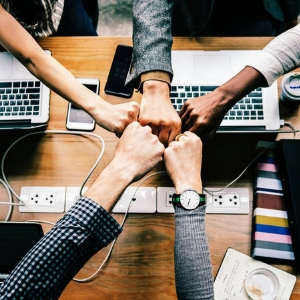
{"points": [[189, 199]]}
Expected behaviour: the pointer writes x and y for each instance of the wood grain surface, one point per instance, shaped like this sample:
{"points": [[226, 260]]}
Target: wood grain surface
{"points": [[141, 263]]}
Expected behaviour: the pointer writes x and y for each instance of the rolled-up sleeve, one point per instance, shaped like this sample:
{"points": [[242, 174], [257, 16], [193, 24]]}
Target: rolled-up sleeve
{"points": [[52, 263], [280, 56]]}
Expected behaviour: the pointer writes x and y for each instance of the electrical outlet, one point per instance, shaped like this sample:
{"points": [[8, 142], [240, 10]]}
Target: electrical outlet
{"points": [[72, 195], [228, 201], [164, 196], [42, 199], [142, 200]]}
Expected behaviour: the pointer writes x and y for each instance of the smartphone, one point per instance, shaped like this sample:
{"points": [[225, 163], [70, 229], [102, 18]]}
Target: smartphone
{"points": [[77, 119], [115, 84]]}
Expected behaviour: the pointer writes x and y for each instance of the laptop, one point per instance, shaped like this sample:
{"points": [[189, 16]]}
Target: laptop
{"points": [[198, 72], [16, 239], [24, 100]]}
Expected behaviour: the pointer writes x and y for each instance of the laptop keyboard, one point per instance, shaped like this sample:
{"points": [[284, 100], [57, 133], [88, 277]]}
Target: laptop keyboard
{"points": [[248, 108], [20, 98]]}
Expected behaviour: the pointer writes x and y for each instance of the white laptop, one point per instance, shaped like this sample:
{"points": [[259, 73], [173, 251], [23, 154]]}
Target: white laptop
{"points": [[198, 72], [24, 100]]}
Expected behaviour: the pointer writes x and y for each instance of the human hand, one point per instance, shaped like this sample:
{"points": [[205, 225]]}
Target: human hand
{"points": [[116, 117], [157, 111], [203, 115], [138, 151], [183, 160]]}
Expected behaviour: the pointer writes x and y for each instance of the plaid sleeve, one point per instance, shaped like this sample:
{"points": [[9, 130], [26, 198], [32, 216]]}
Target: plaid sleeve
{"points": [[52, 263]]}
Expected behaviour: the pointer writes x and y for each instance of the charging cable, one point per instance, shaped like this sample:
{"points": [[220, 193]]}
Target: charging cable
{"points": [[10, 189]]}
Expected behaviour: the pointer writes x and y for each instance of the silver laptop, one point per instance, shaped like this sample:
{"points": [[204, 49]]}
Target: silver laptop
{"points": [[16, 239], [198, 72], [24, 100]]}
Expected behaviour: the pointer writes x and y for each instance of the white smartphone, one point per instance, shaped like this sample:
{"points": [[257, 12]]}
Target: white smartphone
{"points": [[77, 119]]}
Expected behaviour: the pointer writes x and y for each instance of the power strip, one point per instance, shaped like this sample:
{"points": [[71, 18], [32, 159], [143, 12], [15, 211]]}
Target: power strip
{"points": [[43, 199], [228, 201], [72, 195], [141, 201]]}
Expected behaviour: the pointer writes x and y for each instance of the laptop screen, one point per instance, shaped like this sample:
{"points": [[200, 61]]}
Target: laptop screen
{"points": [[16, 239]]}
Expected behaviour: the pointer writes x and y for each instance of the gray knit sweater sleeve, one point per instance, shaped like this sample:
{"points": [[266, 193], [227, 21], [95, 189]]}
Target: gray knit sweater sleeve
{"points": [[193, 268]]}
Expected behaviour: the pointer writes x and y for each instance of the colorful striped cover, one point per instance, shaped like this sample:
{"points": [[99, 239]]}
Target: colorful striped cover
{"points": [[271, 240]]}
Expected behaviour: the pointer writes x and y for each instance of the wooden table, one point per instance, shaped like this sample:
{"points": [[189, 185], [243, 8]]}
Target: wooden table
{"points": [[141, 264]]}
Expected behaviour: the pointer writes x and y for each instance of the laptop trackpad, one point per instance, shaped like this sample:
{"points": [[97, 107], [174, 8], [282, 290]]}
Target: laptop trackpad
{"points": [[6, 65], [212, 67]]}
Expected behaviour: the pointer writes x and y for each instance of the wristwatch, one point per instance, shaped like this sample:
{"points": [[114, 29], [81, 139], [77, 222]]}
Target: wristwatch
{"points": [[189, 199]]}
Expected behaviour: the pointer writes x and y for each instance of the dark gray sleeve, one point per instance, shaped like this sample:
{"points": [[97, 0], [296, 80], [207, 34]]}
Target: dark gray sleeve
{"points": [[152, 37], [193, 268]]}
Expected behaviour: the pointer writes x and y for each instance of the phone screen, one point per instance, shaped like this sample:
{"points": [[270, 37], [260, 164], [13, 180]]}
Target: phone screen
{"points": [[77, 119], [115, 84], [77, 115]]}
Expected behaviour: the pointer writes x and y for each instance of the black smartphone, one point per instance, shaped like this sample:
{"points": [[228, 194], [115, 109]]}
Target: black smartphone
{"points": [[78, 119], [115, 84]]}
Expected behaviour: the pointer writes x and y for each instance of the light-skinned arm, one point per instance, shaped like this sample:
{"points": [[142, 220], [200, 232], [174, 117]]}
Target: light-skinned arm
{"points": [[137, 152], [22, 45], [87, 226]]}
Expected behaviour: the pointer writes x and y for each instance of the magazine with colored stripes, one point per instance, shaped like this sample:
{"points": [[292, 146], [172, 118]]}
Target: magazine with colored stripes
{"points": [[271, 239]]}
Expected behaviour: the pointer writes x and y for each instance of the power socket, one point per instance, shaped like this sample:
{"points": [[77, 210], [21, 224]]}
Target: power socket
{"points": [[144, 201], [164, 196], [228, 201], [72, 195], [42, 199]]}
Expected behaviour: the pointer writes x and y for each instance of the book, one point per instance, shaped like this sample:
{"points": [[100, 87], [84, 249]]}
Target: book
{"points": [[271, 237], [236, 269]]}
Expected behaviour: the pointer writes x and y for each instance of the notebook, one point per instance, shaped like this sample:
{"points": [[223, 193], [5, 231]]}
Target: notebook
{"points": [[16, 239], [271, 236], [24, 100], [198, 72]]}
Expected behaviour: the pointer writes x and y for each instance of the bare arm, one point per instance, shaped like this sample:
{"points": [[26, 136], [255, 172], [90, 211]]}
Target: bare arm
{"points": [[59, 79], [137, 152], [203, 115]]}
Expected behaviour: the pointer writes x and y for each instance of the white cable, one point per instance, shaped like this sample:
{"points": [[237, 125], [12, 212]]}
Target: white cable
{"points": [[10, 201], [55, 132], [294, 130], [114, 241], [10, 189], [41, 221], [238, 177], [292, 127]]}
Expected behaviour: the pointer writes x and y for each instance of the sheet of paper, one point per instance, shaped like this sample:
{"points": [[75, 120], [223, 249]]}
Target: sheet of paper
{"points": [[230, 280]]}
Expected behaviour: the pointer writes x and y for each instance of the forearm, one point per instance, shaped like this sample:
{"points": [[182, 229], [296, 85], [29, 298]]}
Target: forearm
{"points": [[238, 87], [193, 268], [111, 182], [22, 45], [47, 269]]}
